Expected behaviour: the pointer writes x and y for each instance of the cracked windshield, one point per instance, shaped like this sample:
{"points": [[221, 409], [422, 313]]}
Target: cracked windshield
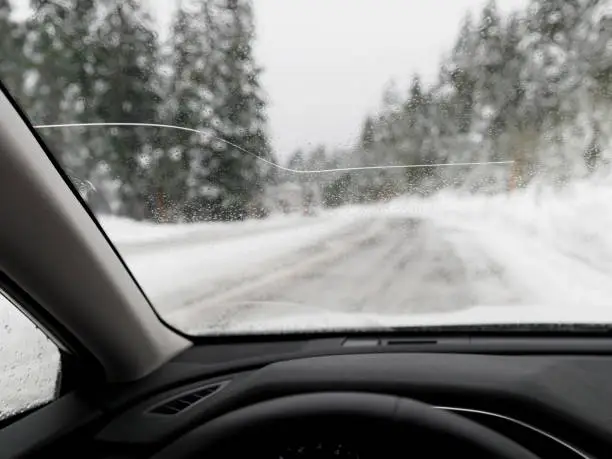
{"points": [[305, 165]]}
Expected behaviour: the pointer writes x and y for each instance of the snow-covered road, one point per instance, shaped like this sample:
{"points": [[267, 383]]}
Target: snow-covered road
{"points": [[528, 257], [383, 265], [535, 256]]}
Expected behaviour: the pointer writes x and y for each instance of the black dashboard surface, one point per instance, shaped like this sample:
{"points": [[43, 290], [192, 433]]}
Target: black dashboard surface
{"points": [[560, 387]]}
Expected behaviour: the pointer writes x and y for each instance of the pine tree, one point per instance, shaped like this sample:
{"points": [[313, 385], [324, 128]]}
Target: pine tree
{"points": [[58, 66], [297, 161], [125, 93], [462, 78], [59, 70], [490, 87], [366, 138], [238, 110], [13, 67], [177, 170]]}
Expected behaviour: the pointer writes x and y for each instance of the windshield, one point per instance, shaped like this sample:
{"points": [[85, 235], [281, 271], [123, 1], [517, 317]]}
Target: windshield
{"points": [[280, 166]]}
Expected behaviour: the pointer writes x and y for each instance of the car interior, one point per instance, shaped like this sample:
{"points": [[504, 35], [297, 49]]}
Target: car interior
{"points": [[131, 386]]}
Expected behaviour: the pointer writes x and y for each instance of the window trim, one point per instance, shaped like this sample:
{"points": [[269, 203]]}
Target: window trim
{"points": [[73, 354]]}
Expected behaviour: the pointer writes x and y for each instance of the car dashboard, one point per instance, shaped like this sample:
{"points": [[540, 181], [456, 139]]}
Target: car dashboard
{"points": [[551, 395]]}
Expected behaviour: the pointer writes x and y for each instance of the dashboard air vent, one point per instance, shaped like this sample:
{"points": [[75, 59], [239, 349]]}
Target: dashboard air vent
{"points": [[186, 400]]}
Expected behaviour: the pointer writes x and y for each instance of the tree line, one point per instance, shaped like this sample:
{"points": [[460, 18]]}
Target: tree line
{"points": [[88, 61], [534, 87]]}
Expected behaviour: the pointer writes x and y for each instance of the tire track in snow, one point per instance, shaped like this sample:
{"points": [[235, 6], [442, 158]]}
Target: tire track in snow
{"points": [[208, 302], [407, 266]]}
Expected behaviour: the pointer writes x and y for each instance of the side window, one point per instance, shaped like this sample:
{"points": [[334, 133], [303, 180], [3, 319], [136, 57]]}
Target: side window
{"points": [[29, 362]]}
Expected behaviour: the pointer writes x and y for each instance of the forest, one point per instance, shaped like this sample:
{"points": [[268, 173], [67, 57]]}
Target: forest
{"points": [[533, 87]]}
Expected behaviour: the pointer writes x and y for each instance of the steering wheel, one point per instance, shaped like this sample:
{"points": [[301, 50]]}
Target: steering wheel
{"points": [[268, 422]]}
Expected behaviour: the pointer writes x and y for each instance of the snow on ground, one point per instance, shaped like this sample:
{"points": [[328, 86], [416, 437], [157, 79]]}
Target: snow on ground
{"points": [[178, 270], [29, 362], [127, 233], [534, 256], [556, 244]]}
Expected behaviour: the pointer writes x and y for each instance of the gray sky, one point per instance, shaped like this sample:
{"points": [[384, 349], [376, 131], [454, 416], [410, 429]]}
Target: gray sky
{"points": [[326, 62]]}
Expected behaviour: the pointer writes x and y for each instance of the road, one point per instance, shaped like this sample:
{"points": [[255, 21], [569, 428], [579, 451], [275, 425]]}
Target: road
{"points": [[372, 265]]}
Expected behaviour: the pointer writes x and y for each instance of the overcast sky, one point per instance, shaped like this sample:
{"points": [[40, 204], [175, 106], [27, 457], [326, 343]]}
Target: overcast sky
{"points": [[326, 62]]}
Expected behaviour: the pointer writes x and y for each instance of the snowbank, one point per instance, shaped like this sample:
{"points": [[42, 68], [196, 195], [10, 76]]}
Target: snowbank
{"points": [[557, 243], [124, 231], [170, 274], [129, 234]]}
